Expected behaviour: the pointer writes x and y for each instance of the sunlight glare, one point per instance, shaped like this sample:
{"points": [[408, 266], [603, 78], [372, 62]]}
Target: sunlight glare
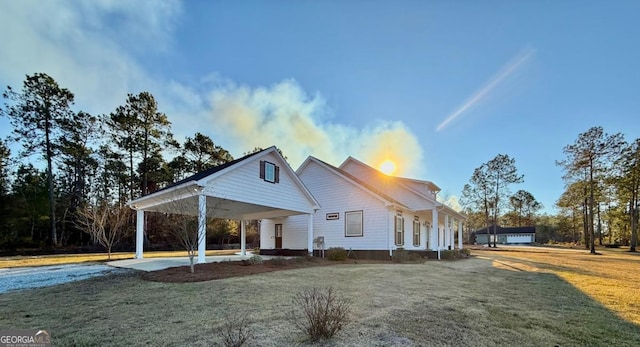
{"points": [[388, 167]]}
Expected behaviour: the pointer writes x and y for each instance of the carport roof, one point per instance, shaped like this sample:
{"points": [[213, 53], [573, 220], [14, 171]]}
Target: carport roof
{"points": [[188, 190]]}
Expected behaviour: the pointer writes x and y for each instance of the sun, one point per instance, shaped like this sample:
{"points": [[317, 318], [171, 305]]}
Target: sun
{"points": [[388, 167]]}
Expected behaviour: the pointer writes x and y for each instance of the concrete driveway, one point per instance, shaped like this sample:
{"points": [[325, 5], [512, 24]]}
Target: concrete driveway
{"points": [[155, 264]]}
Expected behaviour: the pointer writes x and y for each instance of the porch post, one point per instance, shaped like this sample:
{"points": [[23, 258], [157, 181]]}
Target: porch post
{"points": [[433, 235], [459, 234], [452, 233], [202, 228], [243, 238], [310, 235], [139, 233], [445, 240]]}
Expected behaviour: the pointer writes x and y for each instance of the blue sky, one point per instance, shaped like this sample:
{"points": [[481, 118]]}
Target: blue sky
{"points": [[371, 79]]}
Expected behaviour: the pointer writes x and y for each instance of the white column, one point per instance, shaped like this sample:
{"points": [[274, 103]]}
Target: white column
{"points": [[310, 235], [445, 239], [433, 234], [202, 228], [243, 238], [450, 238], [139, 233], [459, 234]]}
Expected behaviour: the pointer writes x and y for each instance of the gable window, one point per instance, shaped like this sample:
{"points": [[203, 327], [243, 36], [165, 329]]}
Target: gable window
{"points": [[353, 223], [269, 172], [399, 229], [416, 231]]}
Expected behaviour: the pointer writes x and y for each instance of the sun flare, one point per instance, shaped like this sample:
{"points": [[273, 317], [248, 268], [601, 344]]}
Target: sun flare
{"points": [[388, 167]]}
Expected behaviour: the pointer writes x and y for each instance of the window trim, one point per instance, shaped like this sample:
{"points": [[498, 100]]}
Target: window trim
{"points": [[263, 172], [399, 234], [269, 170], [346, 223]]}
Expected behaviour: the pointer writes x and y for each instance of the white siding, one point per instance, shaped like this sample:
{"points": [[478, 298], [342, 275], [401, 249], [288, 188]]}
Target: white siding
{"points": [[244, 184], [294, 232], [267, 233], [336, 195]]}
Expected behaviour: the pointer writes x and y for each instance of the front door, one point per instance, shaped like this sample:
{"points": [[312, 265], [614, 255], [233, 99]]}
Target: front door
{"points": [[278, 235]]}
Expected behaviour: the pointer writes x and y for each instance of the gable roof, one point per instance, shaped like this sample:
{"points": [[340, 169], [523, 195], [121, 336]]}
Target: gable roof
{"points": [[407, 184], [508, 230], [398, 179], [354, 180], [199, 178]]}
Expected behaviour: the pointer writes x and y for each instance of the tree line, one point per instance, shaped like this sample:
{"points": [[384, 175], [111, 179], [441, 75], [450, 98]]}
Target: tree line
{"points": [[75, 171], [599, 203]]}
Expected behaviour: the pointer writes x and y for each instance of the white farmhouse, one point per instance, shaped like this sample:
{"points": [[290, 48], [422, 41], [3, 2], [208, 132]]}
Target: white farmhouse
{"points": [[355, 207], [365, 211]]}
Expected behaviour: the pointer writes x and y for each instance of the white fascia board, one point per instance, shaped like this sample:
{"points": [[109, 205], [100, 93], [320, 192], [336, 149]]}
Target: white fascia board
{"points": [[164, 196]]}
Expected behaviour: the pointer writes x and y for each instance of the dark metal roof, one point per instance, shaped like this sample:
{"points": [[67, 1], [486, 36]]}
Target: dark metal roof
{"points": [[508, 230]]}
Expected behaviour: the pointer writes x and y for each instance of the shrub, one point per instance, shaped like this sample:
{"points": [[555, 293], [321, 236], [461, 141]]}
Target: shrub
{"points": [[336, 253], [403, 256], [235, 331], [277, 261], [254, 260], [323, 313]]}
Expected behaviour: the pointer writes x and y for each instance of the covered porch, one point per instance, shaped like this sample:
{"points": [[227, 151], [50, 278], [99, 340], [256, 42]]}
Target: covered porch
{"points": [[238, 190], [195, 201]]}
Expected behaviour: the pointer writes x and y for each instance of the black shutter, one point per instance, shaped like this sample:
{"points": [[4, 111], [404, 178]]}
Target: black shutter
{"points": [[277, 174], [262, 169]]}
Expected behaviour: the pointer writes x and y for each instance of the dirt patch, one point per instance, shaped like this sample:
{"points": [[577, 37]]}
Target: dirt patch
{"points": [[227, 269]]}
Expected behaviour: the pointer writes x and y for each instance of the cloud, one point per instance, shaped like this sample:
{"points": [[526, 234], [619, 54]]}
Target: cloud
{"points": [[95, 48], [89, 47], [299, 124], [507, 70]]}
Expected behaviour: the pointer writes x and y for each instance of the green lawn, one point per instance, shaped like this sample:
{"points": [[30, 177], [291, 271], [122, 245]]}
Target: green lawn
{"points": [[499, 298]]}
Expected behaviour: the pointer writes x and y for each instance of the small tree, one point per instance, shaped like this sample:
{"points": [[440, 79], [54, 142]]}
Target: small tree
{"points": [[105, 223], [182, 222]]}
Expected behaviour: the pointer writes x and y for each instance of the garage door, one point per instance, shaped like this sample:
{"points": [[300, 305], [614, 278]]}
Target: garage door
{"points": [[518, 238]]}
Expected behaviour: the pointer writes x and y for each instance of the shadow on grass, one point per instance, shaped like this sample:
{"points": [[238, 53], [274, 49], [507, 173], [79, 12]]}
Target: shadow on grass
{"points": [[520, 308]]}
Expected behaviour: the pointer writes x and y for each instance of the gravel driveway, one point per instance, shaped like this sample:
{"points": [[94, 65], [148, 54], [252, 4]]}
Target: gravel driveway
{"points": [[43, 276]]}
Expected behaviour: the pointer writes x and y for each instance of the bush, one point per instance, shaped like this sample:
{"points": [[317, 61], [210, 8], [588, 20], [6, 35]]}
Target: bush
{"points": [[336, 253], [403, 256], [278, 261], [455, 254], [254, 260], [235, 330], [323, 313]]}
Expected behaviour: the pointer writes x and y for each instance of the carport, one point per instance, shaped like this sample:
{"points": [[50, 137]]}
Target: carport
{"points": [[257, 186]]}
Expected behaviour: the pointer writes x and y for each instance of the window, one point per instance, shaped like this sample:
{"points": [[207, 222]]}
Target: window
{"points": [[353, 223], [399, 227], [269, 172], [416, 231]]}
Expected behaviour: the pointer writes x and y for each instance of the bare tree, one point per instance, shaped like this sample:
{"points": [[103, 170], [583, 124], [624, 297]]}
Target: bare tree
{"points": [[105, 223], [182, 221]]}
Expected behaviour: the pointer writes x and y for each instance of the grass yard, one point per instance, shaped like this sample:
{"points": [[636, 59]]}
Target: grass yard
{"points": [[505, 298], [57, 259]]}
